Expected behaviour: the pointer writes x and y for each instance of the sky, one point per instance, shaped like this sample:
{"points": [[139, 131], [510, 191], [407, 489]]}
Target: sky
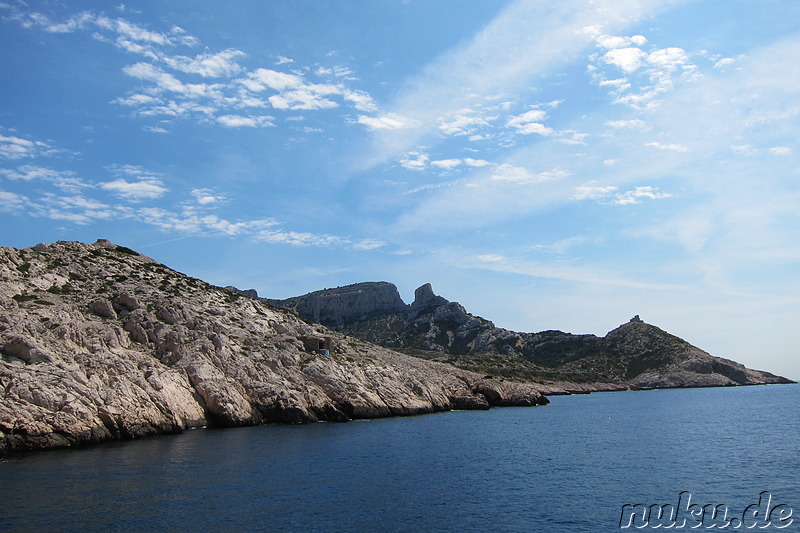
{"points": [[549, 164]]}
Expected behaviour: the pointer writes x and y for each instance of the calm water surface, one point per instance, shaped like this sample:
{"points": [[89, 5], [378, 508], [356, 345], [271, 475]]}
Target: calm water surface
{"points": [[569, 466]]}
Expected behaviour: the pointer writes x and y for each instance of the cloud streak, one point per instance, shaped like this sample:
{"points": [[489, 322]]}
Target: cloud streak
{"points": [[211, 87], [507, 55]]}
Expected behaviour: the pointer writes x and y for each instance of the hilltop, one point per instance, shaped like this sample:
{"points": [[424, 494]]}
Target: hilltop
{"points": [[635, 355]]}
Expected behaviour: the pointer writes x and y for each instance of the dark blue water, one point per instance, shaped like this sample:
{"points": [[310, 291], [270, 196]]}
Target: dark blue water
{"points": [[569, 466]]}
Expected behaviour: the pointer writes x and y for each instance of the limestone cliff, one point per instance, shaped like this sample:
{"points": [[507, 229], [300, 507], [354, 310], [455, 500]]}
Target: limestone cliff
{"points": [[99, 342], [635, 355], [354, 303]]}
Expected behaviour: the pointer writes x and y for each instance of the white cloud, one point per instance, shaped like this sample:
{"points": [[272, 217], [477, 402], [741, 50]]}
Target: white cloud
{"points": [[263, 79], [650, 74], [626, 124], [63, 179], [636, 195], [304, 239], [446, 164], [673, 147], [608, 193], [295, 93], [610, 42], [361, 101], [172, 94], [530, 122], [572, 137], [780, 150], [477, 163], [534, 127], [390, 121], [724, 62], [14, 147], [310, 97], [72, 24], [76, 209], [337, 71], [618, 85], [12, 202], [593, 192], [130, 30], [30, 172], [508, 56], [668, 59], [462, 122], [295, 238], [137, 100], [207, 197], [239, 121], [491, 258], [194, 223], [626, 59], [521, 175], [167, 82], [431, 186], [414, 161], [369, 244], [208, 65], [144, 189]]}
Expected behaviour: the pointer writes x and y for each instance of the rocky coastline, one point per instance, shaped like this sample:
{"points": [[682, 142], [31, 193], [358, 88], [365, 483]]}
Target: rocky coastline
{"points": [[98, 342]]}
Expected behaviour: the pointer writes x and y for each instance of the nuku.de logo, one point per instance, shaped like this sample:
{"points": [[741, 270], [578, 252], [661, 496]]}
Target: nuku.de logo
{"points": [[692, 515]]}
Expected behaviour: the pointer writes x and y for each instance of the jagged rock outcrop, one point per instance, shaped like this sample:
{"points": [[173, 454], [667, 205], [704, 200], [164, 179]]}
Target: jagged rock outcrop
{"points": [[99, 342], [354, 303], [635, 355]]}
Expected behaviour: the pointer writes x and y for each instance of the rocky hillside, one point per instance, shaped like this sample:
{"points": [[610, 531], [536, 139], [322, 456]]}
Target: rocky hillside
{"points": [[99, 342], [635, 355]]}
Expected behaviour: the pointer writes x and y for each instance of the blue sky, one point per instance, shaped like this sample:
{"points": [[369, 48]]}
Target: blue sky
{"points": [[549, 164]]}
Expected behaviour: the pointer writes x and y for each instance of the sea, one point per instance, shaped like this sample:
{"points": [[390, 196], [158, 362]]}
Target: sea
{"points": [[580, 464]]}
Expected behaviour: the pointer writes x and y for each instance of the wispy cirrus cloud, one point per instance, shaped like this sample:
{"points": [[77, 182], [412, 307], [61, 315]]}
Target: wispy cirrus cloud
{"points": [[458, 92], [13, 147], [389, 121], [138, 195], [11, 202], [142, 186], [249, 121], [143, 189], [66, 180], [564, 271], [212, 87], [305, 239]]}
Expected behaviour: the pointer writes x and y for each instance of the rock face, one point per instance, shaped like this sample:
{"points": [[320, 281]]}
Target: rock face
{"points": [[98, 342], [354, 303], [635, 355]]}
